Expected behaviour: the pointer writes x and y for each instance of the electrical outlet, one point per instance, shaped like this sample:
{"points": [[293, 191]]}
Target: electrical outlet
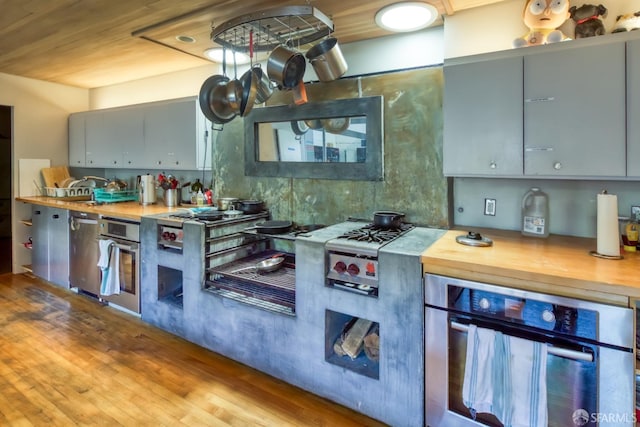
{"points": [[635, 213], [490, 207]]}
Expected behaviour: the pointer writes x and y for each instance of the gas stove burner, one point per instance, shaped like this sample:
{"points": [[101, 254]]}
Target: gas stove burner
{"points": [[374, 234]]}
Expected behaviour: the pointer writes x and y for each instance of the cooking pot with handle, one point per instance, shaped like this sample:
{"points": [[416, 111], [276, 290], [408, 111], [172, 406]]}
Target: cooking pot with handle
{"points": [[387, 219], [286, 67], [327, 60]]}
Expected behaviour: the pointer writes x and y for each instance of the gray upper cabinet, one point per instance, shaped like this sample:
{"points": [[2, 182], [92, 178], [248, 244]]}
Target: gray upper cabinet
{"points": [[574, 112], [170, 134], [77, 148], [483, 118], [553, 111], [633, 108], [114, 138]]}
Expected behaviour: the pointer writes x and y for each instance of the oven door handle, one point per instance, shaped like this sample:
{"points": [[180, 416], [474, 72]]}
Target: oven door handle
{"points": [[555, 351], [129, 248]]}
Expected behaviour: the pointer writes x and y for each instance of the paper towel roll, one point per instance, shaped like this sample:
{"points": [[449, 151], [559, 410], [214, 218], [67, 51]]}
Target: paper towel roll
{"points": [[607, 233]]}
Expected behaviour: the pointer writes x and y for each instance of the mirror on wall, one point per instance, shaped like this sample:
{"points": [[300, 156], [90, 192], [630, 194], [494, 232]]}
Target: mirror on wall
{"points": [[339, 139]]}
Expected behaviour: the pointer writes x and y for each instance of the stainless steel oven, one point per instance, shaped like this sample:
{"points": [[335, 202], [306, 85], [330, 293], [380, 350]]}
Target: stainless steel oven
{"points": [[126, 237], [589, 364]]}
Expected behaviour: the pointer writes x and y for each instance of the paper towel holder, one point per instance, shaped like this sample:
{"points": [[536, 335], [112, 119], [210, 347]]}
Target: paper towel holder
{"points": [[603, 256]]}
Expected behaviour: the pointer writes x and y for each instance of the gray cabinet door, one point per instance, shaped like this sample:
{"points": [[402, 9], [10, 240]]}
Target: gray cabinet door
{"points": [[58, 234], [633, 108], [77, 147], [170, 134], [125, 131], [574, 112], [483, 118], [50, 250], [40, 246]]}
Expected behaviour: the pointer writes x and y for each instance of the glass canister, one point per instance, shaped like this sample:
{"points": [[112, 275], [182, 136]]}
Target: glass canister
{"points": [[535, 213]]}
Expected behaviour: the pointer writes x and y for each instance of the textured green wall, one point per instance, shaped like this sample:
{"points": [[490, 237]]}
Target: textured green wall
{"points": [[413, 181]]}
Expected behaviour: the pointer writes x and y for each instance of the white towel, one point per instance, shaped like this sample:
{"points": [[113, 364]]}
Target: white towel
{"points": [[109, 263], [507, 377]]}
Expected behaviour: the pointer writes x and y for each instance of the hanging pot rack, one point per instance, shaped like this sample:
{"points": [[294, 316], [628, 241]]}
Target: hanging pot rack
{"points": [[291, 25]]}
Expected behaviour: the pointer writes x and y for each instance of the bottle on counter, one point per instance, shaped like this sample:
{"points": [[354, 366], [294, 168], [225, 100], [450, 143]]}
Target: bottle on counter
{"points": [[195, 187], [200, 198], [535, 213]]}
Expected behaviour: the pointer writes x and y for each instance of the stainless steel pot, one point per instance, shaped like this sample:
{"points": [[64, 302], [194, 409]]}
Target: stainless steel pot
{"points": [[286, 67], [264, 88], [327, 60], [226, 203]]}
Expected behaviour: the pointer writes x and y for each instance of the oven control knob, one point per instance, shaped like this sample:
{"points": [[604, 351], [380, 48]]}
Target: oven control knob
{"points": [[353, 269], [548, 316], [484, 303], [340, 267]]}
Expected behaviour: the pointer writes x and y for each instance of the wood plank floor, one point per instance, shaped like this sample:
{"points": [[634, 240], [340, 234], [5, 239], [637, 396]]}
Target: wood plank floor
{"points": [[66, 360]]}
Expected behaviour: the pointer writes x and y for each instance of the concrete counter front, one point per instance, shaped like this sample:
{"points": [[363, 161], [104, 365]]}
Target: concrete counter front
{"points": [[558, 265], [126, 210]]}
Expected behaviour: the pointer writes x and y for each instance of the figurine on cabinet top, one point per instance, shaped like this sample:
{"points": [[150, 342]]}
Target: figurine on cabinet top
{"points": [[587, 19], [543, 17], [627, 22]]}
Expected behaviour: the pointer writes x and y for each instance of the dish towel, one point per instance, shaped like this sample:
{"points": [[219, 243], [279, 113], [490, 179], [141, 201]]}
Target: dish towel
{"points": [[109, 263], [506, 376]]}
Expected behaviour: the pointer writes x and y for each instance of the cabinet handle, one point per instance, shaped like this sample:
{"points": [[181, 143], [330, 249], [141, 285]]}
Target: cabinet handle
{"points": [[37, 212], [557, 166], [538, 148], [547, 99], [55, 216], [493, 165]]}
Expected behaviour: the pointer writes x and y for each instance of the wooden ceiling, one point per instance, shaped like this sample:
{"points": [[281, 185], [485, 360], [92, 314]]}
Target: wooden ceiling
{"points": [[95, 43]]}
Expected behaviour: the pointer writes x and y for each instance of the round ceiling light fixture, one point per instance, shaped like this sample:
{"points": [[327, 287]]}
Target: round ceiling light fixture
{"points": [[406, 16], [185, 39], [215, 54]]}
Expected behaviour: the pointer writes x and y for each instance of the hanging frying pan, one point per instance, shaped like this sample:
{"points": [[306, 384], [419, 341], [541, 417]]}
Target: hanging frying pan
{"points": [[212, 98]]}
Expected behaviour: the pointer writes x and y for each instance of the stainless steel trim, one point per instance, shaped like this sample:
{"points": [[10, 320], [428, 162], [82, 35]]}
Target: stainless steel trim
{"points": [[615, 323], [555, 351]]}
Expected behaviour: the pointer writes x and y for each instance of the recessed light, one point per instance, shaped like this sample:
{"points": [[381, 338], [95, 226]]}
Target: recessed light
{"points": [[406, 16], [185, 39], [215, 54]]}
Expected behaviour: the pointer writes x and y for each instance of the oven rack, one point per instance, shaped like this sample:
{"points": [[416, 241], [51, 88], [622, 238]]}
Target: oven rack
{"points": [[284, 278]]}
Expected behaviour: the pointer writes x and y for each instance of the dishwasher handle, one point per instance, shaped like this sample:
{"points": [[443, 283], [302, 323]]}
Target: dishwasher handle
{"points": [[555, 351], [74, 222]]}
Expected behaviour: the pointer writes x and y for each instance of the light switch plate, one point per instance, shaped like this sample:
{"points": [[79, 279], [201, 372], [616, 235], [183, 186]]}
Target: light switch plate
{"points": [[635, 213]]}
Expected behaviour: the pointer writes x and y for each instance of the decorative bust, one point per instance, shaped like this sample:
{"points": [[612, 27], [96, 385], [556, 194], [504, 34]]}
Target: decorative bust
{"points": [[543, 17]]}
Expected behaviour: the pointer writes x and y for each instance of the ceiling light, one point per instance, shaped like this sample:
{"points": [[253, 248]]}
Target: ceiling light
{"points": [[215, 54], [185, 39], [406, 16]]}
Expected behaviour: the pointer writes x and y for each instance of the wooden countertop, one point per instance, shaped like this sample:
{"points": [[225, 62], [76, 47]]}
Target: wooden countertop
{"points": [[559, 265], [126, 210]]}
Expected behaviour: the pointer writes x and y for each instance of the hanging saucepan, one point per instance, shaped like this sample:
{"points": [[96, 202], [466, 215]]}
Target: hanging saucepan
{"points": [[286, 67], [313, 123], [327, 60], [299, 127], [234, 95], [386, 219], [336, 125], [249, 82], [265, 89]]}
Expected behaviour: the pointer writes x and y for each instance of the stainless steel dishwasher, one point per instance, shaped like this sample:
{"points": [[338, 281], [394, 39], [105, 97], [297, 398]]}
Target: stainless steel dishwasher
{"points": [[84, 273]]}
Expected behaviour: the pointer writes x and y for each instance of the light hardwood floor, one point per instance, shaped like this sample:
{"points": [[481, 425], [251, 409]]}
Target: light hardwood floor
{"points": [[66, 360]]}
